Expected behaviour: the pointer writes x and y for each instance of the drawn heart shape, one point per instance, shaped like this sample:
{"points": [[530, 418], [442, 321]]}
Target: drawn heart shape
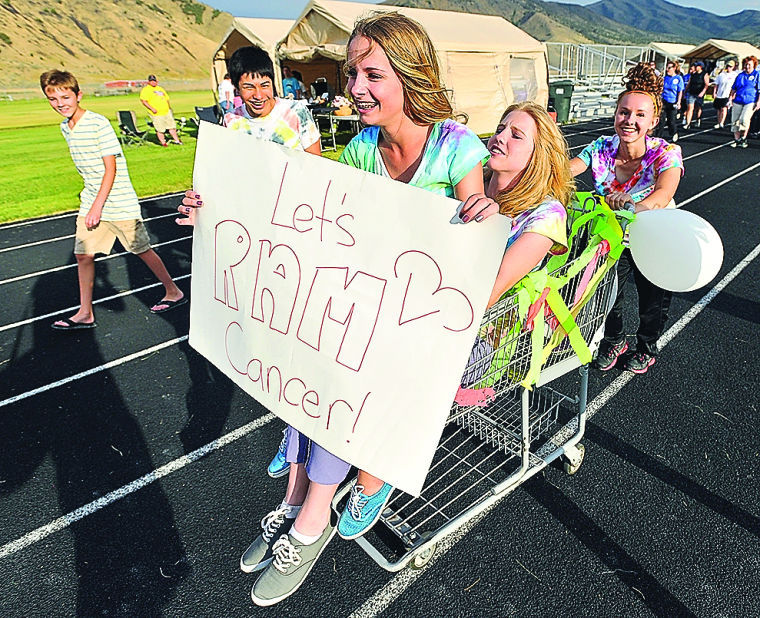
{"points": [[425, 294]]}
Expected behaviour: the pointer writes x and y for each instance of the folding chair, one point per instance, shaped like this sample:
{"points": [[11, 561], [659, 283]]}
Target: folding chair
{"points": [[326, 142], [208, 114], [130, 134]]}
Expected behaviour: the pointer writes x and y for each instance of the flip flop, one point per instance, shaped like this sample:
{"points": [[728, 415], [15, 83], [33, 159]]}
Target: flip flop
{"points": [[170, 304], [72, 325]]}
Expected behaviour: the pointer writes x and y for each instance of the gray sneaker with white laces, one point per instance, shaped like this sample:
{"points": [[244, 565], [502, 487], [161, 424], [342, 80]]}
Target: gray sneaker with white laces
{"points": [[259, 553], [292, 561]]}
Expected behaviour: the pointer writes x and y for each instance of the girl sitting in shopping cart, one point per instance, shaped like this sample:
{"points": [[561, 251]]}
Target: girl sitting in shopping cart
{"points": [[527, 179]]}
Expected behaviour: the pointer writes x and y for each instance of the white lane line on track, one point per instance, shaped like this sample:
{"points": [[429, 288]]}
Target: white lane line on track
{"points": [[597, 130], [94, 506], [380, 601], [91, 371], [57, 238], [95, 302], [73, 213], [100, 259], [33, 221], [703, 152], [718, 184]]}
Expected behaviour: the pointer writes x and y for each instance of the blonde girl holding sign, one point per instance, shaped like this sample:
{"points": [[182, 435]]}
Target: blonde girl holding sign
{"points": [[393, 78]]}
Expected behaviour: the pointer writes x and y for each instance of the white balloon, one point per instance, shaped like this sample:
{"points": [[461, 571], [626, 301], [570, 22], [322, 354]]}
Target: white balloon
{"points": [[675, 249]]}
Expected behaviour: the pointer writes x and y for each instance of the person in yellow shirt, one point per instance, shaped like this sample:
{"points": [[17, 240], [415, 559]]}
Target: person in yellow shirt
{"points": [[156, 100]]}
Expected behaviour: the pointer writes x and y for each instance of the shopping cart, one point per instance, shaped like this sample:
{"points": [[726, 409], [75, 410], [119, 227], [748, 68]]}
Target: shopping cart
{"points": [[488, 450]]}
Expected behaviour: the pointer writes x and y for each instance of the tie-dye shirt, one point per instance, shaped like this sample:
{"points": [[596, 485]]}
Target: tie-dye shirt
{"points": [[289, 123], [451, 151], [549, 219], [600, 156]]}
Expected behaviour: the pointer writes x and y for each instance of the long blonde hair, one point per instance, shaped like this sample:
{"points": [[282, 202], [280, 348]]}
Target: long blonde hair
{"points": [[548, 171], [412, 57]]}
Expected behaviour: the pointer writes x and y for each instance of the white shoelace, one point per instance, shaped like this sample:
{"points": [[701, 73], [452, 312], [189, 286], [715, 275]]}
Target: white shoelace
{"points": [[283, 442], [285, 554], [356, 502], [272, 522]]}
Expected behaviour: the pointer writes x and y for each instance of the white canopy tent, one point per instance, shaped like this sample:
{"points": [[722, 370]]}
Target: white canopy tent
{"points": [[265, 33], [715, 49], [669, 51], [486, 62]]}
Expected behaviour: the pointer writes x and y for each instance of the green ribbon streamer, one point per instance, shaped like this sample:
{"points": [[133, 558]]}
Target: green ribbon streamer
{"points": [[604, 225]]}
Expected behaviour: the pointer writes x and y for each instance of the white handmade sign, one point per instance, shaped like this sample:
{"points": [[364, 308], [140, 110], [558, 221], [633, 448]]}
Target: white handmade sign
{"points": [[344, 302]]}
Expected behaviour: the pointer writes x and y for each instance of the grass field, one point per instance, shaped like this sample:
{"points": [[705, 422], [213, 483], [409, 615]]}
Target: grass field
{"points": [[37, 176]]}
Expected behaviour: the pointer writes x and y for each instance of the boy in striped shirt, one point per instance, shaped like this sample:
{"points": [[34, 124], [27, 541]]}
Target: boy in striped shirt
{"points": [[108, 206]]}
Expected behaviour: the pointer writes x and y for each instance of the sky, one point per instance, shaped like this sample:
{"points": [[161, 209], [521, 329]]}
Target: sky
{"points": [[292, 8]]}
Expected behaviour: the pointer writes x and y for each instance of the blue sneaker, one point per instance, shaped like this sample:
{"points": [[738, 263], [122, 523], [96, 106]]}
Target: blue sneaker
{"points": [[362, 512], [279, 466]]}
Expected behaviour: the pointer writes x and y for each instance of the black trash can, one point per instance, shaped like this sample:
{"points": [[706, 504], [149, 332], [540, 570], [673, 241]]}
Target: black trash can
{"points": [[560, 93]]}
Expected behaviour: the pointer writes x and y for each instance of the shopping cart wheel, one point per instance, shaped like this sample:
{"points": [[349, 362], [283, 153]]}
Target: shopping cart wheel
{"points": [[573, 458], [421, 560]]}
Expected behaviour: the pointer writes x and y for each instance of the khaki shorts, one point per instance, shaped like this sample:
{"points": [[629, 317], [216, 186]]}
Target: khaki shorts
{"points": [[131, 234], [163, 123]]}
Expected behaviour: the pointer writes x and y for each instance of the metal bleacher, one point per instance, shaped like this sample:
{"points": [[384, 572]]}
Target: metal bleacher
{"points": [[596, 72]]}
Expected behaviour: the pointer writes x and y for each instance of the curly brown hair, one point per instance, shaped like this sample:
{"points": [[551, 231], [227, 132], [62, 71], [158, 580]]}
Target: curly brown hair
{"points": [[643, 78]]}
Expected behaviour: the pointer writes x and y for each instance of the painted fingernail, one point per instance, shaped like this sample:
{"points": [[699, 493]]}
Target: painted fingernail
{"points": [[197, 197], [479, 218], [199, 203], [188, 210], [466, 218]]}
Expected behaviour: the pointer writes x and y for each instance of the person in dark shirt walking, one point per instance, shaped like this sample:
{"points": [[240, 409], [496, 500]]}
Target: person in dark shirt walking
{"points": [[695, 93]]}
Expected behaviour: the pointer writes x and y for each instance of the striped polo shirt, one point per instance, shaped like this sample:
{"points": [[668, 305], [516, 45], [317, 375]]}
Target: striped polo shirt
{"points": [[91, 139]]}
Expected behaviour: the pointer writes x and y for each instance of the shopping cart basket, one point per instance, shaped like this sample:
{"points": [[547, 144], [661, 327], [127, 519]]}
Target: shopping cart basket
{"points": [[489, 448]]}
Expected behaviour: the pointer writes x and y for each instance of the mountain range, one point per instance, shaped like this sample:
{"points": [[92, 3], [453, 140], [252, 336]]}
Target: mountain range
{"points": [[609, 21], [675, 20]]}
